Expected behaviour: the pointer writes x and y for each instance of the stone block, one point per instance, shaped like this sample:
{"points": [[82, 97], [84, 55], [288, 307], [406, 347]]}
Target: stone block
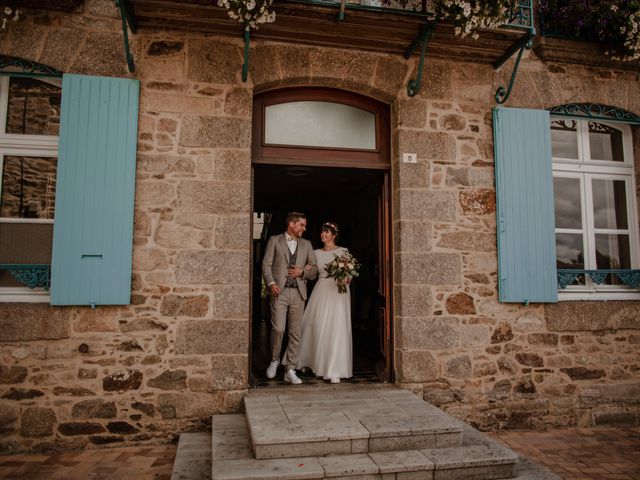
{"points": [[502, 333], [238, 103], [592, 316], [429, 333], [428, 268], [530, 359], [206, 337], [153, 101], [468, 241], [183, 306], [231, 301], [407, 461], [416, 366], [436, 82], [101, 55], [426, 205], [478, 202], [123, 428], [8, 418], [21, 394], [123, 380], [37, 422], [24, 321], [104, 319], [265, 59], [413, 236], [412, 113], [169, 380], [348, 465], [154, 193], [214, 197], [24, 40], [141, 325], [428, 145], [582, 373], [215, 132], [460, 304], [146, 408], [212, 267], [232, 165], [59, 49], [232, 233], [12, 374], [189, 405], [213, 61], [390, 74], [163, 48], [165, 164], [341, 64], [149, 259], [413, 301], [80, 428], [229, 372], [475, 335], [452, 121], [548, 339], [459, 367]]}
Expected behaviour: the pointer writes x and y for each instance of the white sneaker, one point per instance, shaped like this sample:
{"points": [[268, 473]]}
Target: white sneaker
{"points": [[335, 380], [272, 369], [291, 377]]}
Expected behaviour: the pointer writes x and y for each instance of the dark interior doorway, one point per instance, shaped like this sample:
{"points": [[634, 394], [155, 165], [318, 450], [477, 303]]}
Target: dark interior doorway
{"points": [[351, 197]]}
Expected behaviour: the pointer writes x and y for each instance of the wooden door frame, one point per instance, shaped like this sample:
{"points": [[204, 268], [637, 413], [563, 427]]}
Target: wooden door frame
{"points": [[380, 159]]}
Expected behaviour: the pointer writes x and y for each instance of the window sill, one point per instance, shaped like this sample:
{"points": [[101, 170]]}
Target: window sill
{"points": [[24, 295], [568, 295]]}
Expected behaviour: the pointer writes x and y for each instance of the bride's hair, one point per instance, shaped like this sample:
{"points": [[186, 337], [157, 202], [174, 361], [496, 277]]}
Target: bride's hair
{"points": [[331, 227]]}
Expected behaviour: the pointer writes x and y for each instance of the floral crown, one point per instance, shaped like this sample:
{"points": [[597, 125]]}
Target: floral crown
{"points": [[330, 226]]}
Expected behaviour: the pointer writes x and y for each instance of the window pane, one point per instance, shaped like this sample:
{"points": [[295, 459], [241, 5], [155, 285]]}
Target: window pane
{"points": [[612, 252], [34, 106], [605, 142], [28, 187], [564, 138], [610, 204], [569, 250], [567, 201], [320, 124], [569, 254]]}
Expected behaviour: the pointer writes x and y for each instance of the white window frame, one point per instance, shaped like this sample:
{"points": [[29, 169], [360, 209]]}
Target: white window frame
{"points": [[586, 170], [25, 146]]}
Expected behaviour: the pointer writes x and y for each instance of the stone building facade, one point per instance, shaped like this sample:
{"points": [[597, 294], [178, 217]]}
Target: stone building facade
{"points": [[72, 377]]}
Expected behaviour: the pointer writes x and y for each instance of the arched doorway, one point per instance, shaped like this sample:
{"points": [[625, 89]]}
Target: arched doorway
{"points": [[326, 152]]}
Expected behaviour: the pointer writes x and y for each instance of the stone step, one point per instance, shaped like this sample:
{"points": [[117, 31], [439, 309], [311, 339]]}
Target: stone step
{"points": [[478, 458], [341, 422], [193, 457]]}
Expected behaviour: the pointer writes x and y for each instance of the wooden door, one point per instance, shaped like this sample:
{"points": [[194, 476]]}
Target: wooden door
{"points": [[384, 368]]}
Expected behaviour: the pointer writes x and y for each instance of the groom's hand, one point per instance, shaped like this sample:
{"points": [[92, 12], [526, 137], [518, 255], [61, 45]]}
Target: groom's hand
{"points": [[275, 290], [295, 272]]}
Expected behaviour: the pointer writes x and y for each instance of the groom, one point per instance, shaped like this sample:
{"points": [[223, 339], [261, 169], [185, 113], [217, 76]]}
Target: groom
{"points": [[284, 271]]}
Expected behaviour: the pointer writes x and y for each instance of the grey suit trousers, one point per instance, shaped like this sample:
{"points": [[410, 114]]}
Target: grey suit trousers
{"points": [[288, 304]]}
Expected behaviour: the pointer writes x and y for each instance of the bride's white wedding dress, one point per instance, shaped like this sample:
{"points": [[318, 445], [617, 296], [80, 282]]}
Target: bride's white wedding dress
{"points": [[325, 345]]}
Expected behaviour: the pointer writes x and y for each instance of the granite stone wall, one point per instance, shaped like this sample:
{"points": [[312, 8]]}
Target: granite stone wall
{"points": [[74, 377]]}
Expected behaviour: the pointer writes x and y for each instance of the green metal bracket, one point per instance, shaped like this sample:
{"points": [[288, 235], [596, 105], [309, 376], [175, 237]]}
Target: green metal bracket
{"points": [[126, 13], [343, 7], [245, 65], [423, 37], [27, 68], [502, 94]]}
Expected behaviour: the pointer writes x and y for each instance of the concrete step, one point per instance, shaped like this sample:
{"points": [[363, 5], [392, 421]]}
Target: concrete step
{"points": [[193, 457], [341, 422], [478, 458]]}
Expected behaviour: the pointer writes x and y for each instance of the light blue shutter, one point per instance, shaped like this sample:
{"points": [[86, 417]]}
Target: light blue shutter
{"points": [[525, 206], [93, 227]]}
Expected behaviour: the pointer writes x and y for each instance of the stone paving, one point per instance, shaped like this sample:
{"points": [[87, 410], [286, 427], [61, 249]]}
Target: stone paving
{"points": [[600, 453]]}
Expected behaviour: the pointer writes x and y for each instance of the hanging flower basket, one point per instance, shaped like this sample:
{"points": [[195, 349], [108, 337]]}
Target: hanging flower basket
{"points": [[468, 16], [615, 24], [250, 13]]}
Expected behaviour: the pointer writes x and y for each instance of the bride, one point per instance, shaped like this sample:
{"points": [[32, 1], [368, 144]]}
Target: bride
{"points": [[325, 344]]}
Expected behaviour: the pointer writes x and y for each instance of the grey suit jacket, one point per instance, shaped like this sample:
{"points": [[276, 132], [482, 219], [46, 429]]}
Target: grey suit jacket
{"points": [[275, 264]]}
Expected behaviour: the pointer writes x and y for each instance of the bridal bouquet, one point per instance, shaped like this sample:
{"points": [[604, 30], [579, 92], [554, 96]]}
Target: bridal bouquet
{"points": [[343, 268]]}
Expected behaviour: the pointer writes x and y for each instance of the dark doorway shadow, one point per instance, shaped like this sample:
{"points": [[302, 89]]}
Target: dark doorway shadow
{"points": [[348, 196]]}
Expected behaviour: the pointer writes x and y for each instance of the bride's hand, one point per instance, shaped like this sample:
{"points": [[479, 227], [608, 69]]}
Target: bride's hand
{"points": [[308, 267]]}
